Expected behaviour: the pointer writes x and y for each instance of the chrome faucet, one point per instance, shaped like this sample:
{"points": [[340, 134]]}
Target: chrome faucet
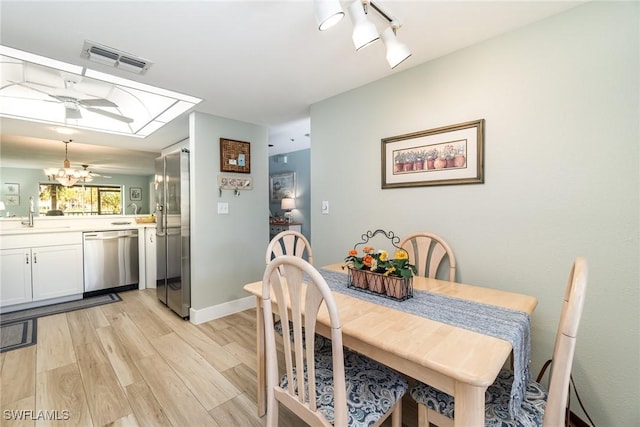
{"points": [[29, 222]]}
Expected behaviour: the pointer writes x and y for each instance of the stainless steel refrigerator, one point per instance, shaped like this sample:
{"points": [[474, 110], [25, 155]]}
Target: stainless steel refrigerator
{"points": [[173, 231]]}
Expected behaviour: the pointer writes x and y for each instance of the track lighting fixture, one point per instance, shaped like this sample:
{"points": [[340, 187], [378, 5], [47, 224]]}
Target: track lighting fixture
{"points": [[365, 31], [328, 13]]}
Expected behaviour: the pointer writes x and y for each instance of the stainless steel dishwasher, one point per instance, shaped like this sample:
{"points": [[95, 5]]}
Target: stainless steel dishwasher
{"points": [[110, 261]]}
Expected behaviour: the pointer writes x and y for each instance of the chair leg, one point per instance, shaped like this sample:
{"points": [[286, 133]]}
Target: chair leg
{"points": [[427, 417], [423, 419], [396, 415]]}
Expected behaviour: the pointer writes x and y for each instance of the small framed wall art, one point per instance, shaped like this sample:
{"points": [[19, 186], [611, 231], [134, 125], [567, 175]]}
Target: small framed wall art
{"points": [[282, 185], [10, 188], [12, 200], [235, 156], [135, 193]]}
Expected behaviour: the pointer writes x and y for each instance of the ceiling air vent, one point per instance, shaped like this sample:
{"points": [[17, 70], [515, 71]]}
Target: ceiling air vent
{"points": [[114, 58]]}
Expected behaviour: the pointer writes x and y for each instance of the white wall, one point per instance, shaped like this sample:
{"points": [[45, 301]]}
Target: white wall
{"points": [[560, 100], [227, 251]]}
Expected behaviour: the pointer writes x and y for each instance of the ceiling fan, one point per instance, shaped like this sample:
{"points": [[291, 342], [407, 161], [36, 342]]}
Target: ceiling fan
{"points": [[91, 174], [72, 101]]}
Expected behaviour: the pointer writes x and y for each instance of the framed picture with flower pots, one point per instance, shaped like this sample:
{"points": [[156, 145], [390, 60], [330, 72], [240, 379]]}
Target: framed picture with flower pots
{"points": [[443, 156]]}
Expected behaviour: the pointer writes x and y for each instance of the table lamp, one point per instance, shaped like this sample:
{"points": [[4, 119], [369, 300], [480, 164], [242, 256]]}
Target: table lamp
{"points": [[2, 206], [287, 204]]}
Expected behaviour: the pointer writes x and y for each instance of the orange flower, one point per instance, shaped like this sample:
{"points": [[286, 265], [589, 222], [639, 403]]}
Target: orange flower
{"points": [[353, 252], [368, 249], [367, 260]]}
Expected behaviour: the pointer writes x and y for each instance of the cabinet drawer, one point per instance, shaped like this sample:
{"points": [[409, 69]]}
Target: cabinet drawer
{"points": [[39, 239], [275, 229]]}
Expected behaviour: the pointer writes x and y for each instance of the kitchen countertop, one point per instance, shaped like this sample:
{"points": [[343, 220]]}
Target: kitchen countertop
{"points": [[13, 226]]}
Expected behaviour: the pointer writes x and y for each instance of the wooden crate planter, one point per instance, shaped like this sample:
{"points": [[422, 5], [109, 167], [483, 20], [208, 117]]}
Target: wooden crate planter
{"points": [[396, 288]]}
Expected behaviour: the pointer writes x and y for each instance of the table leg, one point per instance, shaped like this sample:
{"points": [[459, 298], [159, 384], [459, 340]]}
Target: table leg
{"points": [[469, 405], [261, 403]]}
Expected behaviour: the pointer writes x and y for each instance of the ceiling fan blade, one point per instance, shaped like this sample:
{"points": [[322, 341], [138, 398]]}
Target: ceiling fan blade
{"points": [[29, 99], [91, 175], [98, 175], [100, 102], [34, 89], [110, 115], [72, 113]]}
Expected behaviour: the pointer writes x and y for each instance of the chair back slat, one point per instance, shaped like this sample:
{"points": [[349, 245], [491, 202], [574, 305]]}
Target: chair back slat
{"points": [[572, 306], [437, 255], [278, 287]]}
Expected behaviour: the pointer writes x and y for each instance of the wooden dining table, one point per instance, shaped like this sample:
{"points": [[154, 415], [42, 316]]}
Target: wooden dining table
{"points": [[455, 360]]}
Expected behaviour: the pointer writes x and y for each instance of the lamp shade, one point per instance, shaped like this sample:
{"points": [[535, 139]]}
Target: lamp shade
{"points": [[2, 206], [396, 51], [328, 13], [287, 204], [364, 31]]}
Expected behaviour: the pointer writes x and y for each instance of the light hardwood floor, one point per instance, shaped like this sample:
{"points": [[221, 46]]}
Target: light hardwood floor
{"points": [[135, 363]]}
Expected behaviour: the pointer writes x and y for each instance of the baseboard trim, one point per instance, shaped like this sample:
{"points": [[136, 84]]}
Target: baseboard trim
{"points": [[221, 310]]}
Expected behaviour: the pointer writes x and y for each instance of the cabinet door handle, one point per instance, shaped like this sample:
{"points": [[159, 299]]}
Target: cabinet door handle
{"points": [[150, 238], [35, 258], [26, 256]]}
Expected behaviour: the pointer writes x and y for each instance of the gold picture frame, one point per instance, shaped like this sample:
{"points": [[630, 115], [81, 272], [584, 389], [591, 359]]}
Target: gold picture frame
{"points": [[443, 156]]}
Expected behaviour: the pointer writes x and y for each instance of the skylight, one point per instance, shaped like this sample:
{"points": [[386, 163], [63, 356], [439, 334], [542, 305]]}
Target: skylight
{"points": [[40, 89]]}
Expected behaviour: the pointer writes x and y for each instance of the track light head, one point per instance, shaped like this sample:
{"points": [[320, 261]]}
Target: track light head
{"points": [[364, 31], [328, 13], [397, 52]]}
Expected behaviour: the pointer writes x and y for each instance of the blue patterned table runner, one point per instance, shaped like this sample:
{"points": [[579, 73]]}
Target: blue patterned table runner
{"points": [[499, 322]]}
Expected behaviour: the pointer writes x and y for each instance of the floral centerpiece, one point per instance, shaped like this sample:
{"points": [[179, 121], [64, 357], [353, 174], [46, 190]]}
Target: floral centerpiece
{"points": [[375, 271], [378, 261]]}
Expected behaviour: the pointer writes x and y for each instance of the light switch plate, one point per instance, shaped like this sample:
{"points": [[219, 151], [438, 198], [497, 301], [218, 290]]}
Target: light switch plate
{"points": [[223, 208], [325, 207]]}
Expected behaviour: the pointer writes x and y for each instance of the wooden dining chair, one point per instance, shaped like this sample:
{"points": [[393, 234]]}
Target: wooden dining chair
{"points": [[289, 242], [540, 407], [332, 386], [427, 251]]}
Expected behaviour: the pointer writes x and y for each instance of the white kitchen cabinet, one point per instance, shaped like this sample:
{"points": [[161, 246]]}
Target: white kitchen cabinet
{"points": [[56, 271], [42, 270], [15, 276]]}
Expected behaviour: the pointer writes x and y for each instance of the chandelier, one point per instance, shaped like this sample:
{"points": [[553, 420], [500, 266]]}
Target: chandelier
{"points": [[66, 176]]}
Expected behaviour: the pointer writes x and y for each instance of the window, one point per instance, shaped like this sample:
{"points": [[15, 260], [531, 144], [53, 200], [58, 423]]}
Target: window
{"points": [[81, 199]]}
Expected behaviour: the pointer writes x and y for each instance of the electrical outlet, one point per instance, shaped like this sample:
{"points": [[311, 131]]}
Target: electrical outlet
{"points": [[325, 207], [223, 208]]}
